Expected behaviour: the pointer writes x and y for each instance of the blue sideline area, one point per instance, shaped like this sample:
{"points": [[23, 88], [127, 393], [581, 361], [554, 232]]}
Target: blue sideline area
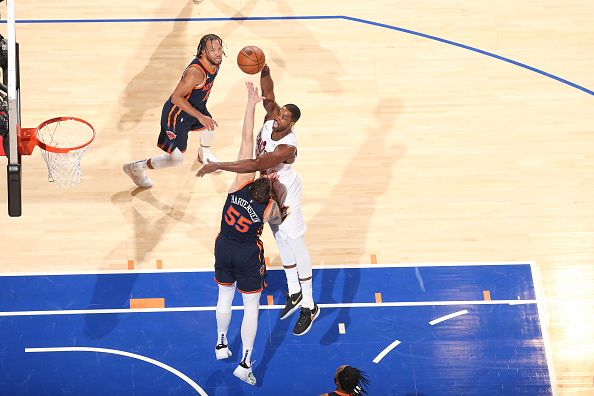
{"points": [[496, 348]]}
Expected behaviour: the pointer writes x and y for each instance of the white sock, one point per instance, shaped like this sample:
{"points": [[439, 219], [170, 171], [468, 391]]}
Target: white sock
{"points": [[249, 325], [140, 164], [175, 158], [292, 279], [206, 137], [307, 290], [223, 312]]}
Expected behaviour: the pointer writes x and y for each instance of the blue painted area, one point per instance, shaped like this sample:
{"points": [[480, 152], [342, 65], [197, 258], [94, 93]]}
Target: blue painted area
{"points": [[313, 17], [345, 285], [492, 350]]}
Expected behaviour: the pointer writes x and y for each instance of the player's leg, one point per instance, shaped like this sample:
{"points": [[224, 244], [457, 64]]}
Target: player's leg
{"points": [[206, 136], [309, 310], [225, 277], [223, 315], [294, 295], [251, 280], [205, 154], [249, 328], [173, 139]]}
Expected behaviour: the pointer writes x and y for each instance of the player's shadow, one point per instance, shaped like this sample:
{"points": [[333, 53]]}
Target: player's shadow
{"points": [[365, 194], [145, 91], [148, 89], [148, 232], [111, 292], [305, 41], [351, 280]]}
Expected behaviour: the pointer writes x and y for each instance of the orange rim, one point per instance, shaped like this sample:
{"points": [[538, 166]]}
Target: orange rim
{"points": [[63, 150]]}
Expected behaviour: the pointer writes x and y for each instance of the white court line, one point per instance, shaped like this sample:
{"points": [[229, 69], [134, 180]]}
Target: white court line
{"points": [[446, 317], [275, 268], [262, 307], [385, 351], [127, 354]]}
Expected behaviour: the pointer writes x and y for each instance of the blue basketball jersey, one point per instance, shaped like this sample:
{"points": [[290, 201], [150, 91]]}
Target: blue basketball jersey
{"points": [[197, 97], [243, 219]]}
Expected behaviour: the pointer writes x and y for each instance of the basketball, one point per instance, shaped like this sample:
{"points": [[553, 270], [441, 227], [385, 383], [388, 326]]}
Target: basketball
{"points": [[251, 59]]}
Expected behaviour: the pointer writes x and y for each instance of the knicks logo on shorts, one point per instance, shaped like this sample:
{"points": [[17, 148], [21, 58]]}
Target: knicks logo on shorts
{"points": [[170, 135], [262, 269]]}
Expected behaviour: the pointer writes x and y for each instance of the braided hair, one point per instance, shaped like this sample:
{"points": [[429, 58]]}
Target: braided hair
{"points": [[204, 40], [353, 380]]}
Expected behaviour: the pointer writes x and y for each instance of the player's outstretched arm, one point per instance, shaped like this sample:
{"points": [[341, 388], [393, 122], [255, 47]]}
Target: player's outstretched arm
{"points": [[193, 77], [246, 150], [272, 108], [282, 153]]}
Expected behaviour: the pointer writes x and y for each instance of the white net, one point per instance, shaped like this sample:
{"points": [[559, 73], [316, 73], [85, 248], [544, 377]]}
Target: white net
{"points": [[60, 143]]}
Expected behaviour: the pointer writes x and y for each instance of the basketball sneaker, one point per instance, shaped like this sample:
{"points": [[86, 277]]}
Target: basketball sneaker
{"points": [[205, 155], [244, 373], [293, 302], [137, 174], [306, 319], [222, 352]]}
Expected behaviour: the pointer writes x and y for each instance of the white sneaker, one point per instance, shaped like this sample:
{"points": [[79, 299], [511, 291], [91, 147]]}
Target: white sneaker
{"points": [[245, 374], [205, 156], [222, 352], [137, 174]]}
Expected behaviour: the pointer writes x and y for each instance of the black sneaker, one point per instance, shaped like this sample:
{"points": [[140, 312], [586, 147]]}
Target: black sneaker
{"points": [[293, 302], [305, 320]]}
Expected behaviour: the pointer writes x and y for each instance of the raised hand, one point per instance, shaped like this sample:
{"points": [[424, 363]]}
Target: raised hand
{"points": [[253, 96]]}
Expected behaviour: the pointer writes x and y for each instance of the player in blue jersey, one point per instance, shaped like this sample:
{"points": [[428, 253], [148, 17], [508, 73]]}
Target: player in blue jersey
{"points": [[276, 151], [185, 111], [239, 253]]}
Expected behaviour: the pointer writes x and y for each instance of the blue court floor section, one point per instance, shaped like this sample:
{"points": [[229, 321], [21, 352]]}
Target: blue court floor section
{"points": [[495, 348]]}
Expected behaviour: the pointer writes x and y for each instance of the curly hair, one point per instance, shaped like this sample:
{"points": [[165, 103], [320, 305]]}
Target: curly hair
{"points": [[260, 190], [353, 380], [204, 40]]}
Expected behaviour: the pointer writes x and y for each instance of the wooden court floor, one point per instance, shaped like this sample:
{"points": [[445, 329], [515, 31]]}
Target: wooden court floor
{"points": [[411, 149]]}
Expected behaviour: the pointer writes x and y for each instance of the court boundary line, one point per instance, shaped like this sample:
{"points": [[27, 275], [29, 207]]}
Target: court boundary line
{"points": [[263, 307], [119, 352], [544, 324], [318, 17], [275, 268]]}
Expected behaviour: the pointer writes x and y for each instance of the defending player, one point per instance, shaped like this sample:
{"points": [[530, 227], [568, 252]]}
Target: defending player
{"points": [[185, 111], [276, 151], [239, 253]]}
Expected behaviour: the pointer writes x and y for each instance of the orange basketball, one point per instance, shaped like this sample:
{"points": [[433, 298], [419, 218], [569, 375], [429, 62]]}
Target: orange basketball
{"points": [[251, 59]]}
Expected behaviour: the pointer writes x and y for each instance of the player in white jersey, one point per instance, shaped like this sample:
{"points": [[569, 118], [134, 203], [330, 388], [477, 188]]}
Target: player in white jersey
{"points": [[276, 151]]}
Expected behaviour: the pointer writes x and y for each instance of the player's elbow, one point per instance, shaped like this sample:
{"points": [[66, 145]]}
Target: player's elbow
{"points": [[176, 99]]}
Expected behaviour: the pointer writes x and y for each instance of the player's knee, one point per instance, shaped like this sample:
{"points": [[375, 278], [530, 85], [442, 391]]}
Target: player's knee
{"points": [[251, 300]]}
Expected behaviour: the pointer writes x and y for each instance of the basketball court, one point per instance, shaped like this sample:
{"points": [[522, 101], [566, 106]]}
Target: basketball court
{"points": [[454, 135]]}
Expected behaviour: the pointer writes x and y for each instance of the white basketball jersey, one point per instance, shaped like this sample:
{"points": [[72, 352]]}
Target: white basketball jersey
{"points": [[284, 172]]}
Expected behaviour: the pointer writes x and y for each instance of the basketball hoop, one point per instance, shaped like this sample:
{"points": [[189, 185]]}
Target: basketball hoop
{"points": [[63, 141]]}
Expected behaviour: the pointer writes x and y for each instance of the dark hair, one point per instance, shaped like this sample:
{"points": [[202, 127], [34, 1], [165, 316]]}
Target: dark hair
{"points": [[204, 40], [294, 110], [353, 380], [260, 190]]}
